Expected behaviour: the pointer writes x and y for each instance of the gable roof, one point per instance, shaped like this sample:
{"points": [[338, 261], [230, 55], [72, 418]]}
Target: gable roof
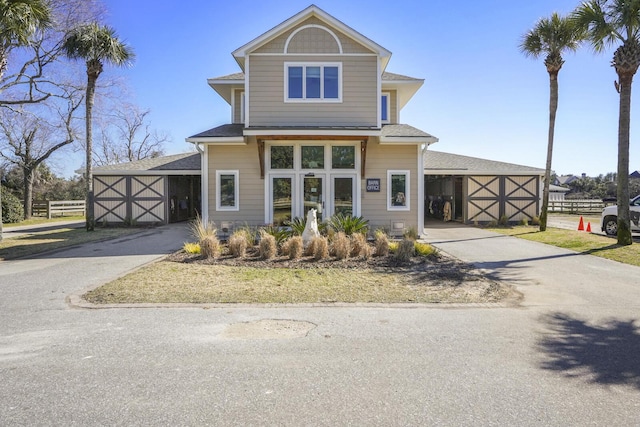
{"points": [[176, 164], [438, 163], [311, 11], [558, 189]]}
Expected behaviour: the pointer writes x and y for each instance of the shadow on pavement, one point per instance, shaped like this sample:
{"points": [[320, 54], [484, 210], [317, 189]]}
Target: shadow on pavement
{"points": [[603, 354]]}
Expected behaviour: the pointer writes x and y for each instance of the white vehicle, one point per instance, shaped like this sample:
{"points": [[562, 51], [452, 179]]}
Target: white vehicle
{"points": [[610, 217]]}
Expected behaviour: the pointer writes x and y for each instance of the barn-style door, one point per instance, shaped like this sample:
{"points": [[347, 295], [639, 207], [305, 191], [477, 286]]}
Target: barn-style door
{"points": [[491, 197], [129, 199]]}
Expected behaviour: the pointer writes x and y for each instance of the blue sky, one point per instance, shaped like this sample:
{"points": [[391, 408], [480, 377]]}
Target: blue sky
{"points": [[481, 97]]}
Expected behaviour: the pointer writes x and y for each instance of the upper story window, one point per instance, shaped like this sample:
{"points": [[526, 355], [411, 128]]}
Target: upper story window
{"points": [[384, 107], [313, 82]]}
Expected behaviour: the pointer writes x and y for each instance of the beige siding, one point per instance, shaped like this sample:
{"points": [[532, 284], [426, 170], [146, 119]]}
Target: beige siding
{"points": [[237, 104], [251, 191], [277, 45], [393, 107], [109, 186], [313, 40], [359, 88], [147, 186], [380, 159]]}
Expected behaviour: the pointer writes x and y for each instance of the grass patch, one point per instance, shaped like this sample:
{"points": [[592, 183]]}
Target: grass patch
{"points": [[44, 221], [174, 282], [32, 244], [579, 241]]}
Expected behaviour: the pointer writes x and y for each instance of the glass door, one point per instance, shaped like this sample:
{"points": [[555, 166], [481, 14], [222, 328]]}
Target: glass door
{"points": [[281, 200], [313, 195], [343, 195]]}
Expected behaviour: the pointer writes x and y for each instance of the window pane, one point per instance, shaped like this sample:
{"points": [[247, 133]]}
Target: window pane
{"points": [[331, 82], [281, 200], [312, 157], [398, 190], [343, 157], [295, 82], [227, 190], [385, 105], [282, 157], [343, 196], [313, 82]]}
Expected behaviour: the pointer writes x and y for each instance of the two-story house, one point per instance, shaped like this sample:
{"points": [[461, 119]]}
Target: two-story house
{"points": [[314, 124]]}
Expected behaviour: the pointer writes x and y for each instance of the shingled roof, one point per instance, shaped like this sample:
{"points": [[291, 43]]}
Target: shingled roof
{"points": [[185, 163], [436, 163]]}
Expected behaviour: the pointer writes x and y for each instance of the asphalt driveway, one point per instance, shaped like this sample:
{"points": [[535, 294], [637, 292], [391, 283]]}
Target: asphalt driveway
{"points": [[566, 356]]}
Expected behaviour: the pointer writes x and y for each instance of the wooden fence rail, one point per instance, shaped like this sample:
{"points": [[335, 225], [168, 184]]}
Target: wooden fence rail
{"points": [[576, 206], [51, 208]]}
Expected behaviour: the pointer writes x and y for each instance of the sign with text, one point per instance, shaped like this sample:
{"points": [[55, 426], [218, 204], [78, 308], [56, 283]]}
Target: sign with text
{"points": [[373, 185]]}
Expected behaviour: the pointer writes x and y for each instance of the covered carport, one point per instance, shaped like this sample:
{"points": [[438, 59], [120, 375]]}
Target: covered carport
{"points": [[474, 190], [159, 190]]}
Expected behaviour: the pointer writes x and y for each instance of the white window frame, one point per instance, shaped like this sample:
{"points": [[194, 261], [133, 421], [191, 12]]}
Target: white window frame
{"points": [[304, 98], [407, 190], [388, 95], [236, 175]]}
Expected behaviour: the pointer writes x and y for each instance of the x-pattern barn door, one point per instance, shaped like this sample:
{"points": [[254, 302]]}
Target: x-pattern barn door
{"points": [[491, 197], [129, 198]]}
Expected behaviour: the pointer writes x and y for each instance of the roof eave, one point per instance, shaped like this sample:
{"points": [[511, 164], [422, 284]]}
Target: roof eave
{"points": [[398, 140], [240, 53], [236, 140]]}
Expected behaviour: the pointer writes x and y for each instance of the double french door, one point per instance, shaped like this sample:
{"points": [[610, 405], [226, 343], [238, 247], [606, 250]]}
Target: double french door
{"points": [[292, 195]]}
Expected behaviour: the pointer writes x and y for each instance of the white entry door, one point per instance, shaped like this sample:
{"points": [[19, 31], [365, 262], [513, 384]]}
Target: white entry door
{"points": [[313, 195]]}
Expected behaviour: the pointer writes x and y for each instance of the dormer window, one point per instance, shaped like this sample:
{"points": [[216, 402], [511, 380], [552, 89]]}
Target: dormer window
{"points": [[313, 82]]}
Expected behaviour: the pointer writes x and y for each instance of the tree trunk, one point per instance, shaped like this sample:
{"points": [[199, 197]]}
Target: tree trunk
{"points": [[553, 108], [624, 226], [28, 179], [91, 91]]}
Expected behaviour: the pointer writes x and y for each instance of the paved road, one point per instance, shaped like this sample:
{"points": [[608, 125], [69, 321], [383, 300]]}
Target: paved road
{"points": [[566, 356]]}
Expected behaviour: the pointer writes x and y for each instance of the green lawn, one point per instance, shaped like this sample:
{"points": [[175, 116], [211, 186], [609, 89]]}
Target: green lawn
{"points": [[44, 221], [579, 241]]}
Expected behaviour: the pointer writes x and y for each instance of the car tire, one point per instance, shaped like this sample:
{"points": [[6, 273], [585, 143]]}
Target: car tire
{"points": [[611, 226]]}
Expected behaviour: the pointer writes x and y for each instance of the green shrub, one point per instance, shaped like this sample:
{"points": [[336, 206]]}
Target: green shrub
{"points": [[199, 229], [503, 221], [12, 209], [238, 245], [535, 220], [191, 248], [381, 243], [293, 247], [348, 224], [297, 226], [209, 247], [268, 247], [406, 249], [393, 247], [492, 224], [360, 246], [524, 221], [320, 247], [424, 249], [249, 234]]}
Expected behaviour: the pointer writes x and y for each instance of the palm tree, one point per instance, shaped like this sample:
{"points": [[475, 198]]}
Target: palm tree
{"points": [[19, 20], [608, 22], [96, 44], [550, 36]]}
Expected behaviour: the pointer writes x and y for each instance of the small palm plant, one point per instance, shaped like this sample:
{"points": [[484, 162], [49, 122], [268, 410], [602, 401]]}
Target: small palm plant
{"points": [[348, 224]]}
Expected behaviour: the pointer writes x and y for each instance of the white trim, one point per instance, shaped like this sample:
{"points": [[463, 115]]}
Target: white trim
{"points": [[283, 55], [286, 45], [421, 150], [388, 95], [378, 91], [236, 189], [268, 205], [305, 65], [233, 105], [467, 172], [407, 190], [247, 95], [307, 132], [234, 140], [204, 185]]}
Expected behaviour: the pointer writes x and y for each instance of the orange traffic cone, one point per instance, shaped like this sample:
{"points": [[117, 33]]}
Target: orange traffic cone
{"points": [[588, 227], [581, 225]]}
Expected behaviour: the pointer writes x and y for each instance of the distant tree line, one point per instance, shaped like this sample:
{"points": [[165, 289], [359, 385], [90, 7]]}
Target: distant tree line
{"points": [[600, 187]]}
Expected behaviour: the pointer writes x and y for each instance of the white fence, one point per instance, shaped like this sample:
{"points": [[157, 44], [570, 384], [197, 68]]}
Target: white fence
{"points": [[576, 206], [50, 208]]}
